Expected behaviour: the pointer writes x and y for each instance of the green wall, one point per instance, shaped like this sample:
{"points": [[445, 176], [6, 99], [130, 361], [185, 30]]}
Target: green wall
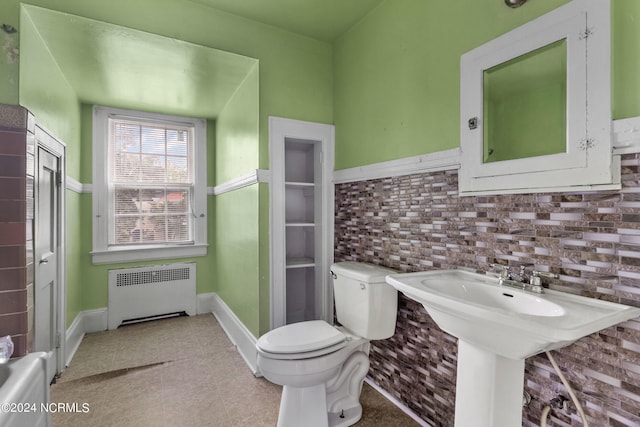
{"points": [[397, 72], [53, 102], [295, 80], [237, 144], [47, 94], [75, 289], [264, 257], [626, 58], [10, 54], [237, 253], [236, 215]]}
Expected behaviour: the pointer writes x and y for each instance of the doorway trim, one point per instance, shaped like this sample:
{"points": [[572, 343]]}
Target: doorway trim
{"points": [[46, 140]]}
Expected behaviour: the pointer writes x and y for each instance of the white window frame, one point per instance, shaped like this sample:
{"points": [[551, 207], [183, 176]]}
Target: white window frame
{"points": [[102, 252]]}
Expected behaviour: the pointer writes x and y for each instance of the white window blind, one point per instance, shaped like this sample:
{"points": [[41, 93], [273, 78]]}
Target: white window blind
{"points": [[151, 177], [149, 186]]}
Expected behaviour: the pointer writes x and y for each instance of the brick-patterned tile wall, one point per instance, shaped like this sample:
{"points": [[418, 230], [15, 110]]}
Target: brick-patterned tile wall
{"points": [[592, 240], [17, 171]]}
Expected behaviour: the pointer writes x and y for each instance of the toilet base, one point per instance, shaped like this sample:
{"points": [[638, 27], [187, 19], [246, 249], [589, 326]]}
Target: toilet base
{"points": [[308, 408], [303, 407], [335, 403], [345, 418]]}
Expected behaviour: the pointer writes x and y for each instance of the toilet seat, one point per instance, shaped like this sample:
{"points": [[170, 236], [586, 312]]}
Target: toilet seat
{"points": [[302, 340]]}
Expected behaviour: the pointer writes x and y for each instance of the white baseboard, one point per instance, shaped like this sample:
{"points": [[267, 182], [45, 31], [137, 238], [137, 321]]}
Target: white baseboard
{"points": [[85, 322], [73, 338], [396, 402], [204, 303], [97, 320], [239, 335]]}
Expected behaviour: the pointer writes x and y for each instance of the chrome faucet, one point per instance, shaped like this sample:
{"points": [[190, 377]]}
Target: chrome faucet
{"points": [[534, 284], [535, 281], [505, 273]]}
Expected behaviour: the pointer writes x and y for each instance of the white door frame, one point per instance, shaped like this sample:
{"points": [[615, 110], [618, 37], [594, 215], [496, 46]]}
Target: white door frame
{"points": [[48, 142], [279, 129]]}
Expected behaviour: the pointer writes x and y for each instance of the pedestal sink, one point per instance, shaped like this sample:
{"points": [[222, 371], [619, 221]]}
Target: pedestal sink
{"points": [[497, 328]]}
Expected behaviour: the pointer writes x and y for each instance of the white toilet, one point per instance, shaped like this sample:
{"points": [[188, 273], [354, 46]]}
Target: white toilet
{"points": [[322, 367]]}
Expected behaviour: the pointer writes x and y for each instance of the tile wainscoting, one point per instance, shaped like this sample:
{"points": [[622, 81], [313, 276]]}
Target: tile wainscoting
{"points": [[592, 240], [17, 175]]}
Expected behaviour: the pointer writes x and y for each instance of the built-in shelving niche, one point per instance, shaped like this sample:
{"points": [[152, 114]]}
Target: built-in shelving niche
{"points": [[302, 255], [302, 209]]}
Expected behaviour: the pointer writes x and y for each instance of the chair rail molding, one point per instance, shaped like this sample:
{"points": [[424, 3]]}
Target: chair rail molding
{"points": [[431, 162], [254, 177]]}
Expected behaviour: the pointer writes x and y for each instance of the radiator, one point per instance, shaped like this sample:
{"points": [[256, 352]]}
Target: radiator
{"points": [[145, 292]]}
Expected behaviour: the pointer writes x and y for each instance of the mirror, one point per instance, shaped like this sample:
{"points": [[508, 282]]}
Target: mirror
{"points": [[535, 106], [525, 104]]}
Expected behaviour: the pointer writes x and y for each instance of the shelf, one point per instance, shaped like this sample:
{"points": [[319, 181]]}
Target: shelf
{"points": [[301, 295], [300, 160], [300, 224], [299, 202], [300, 240], [291, 184], [301, 262]]}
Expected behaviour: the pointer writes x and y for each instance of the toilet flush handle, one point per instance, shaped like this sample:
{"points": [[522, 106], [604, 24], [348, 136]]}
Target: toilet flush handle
{"points": [[334, 275]]}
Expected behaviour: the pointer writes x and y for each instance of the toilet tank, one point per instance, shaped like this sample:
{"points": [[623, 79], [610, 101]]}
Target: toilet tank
{"points": [[365, 304]]}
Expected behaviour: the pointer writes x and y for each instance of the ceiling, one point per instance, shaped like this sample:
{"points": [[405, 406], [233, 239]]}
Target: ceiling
{"points": [[112, 65], [324, 20], [116, 66]]}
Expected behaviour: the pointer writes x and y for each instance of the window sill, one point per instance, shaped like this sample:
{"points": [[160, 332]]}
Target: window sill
{"points": [[118, 255]]}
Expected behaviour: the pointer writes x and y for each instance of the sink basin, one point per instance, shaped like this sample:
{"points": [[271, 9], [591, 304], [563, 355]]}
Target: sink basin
{"points": [[497, 328], [463, 287], [506, 321]]}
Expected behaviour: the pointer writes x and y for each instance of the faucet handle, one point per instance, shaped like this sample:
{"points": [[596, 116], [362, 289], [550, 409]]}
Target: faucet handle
{"points": [[536, 277], [504, 270], [545, 274]]}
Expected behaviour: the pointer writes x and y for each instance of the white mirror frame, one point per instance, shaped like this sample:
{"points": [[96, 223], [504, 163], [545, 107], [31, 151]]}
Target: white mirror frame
{"points": [[587, 162]]}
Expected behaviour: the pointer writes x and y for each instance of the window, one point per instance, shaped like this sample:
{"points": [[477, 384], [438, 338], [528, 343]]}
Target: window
{"points": [[149, 189]]}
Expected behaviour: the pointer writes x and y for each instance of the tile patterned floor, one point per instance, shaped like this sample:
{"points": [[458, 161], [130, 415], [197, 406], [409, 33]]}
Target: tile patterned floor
{"points": [[180, 372]]}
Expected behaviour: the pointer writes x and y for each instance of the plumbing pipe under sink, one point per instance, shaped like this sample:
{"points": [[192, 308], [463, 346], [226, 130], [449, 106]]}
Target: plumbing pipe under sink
{"points": [[547, 409]]}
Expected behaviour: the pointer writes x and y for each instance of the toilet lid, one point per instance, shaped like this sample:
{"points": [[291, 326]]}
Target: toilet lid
{"points": [[301, 337]]}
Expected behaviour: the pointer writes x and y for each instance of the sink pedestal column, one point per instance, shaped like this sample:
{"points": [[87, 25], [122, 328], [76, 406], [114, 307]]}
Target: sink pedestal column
{"points": [[488, 388]]}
